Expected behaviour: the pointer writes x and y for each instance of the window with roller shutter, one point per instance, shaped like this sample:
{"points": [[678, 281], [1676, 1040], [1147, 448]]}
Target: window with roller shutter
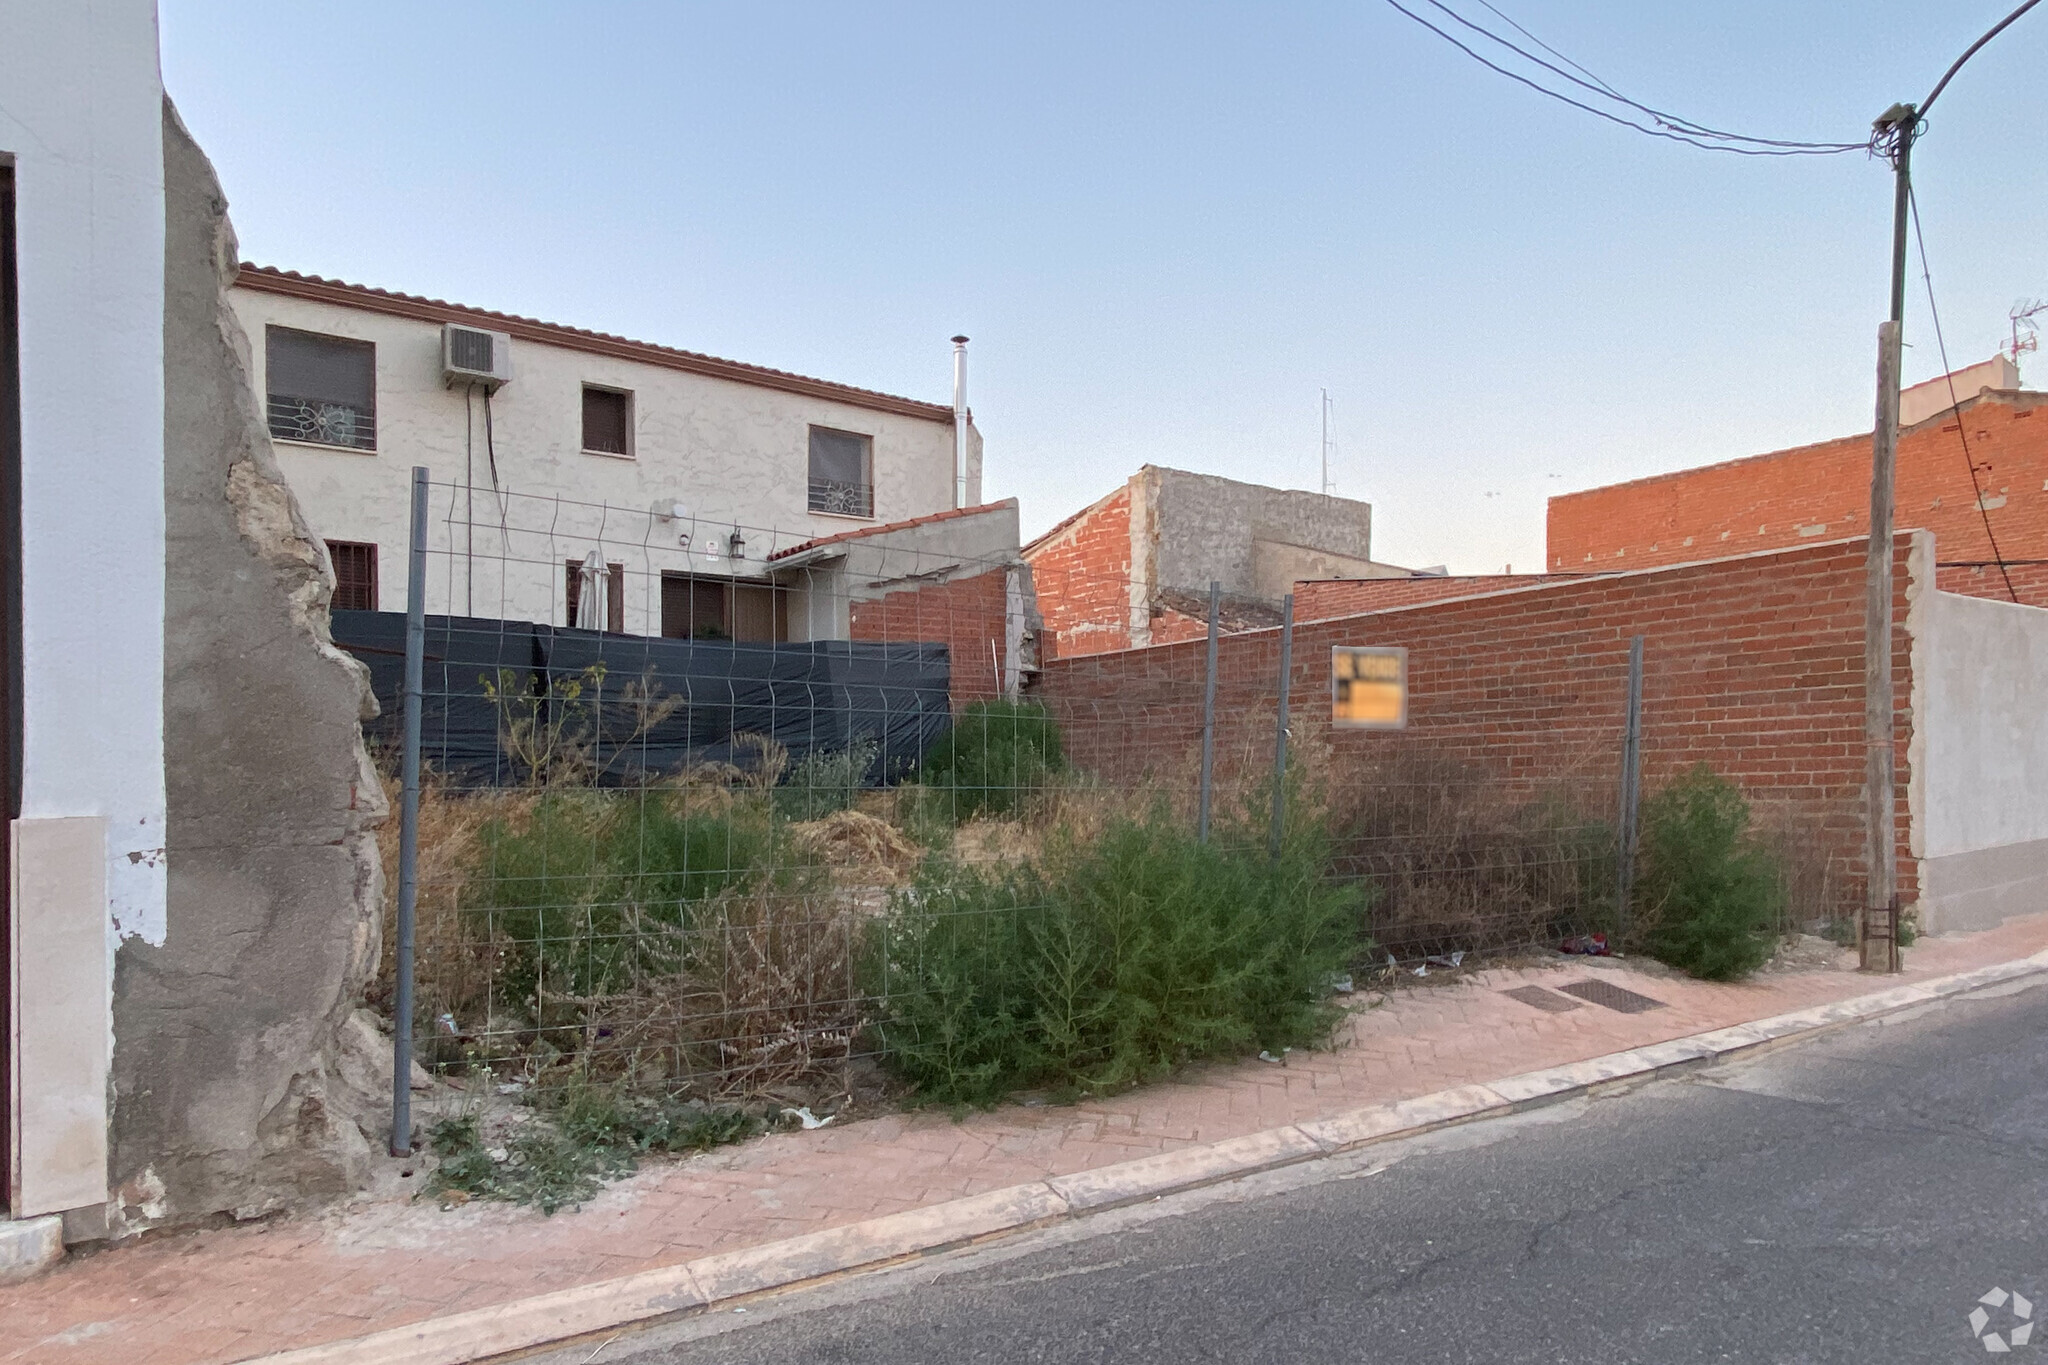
{"points": [[355, 575]]}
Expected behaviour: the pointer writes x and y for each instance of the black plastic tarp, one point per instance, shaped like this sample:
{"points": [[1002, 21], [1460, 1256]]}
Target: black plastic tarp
{"points": [[819, 696]]}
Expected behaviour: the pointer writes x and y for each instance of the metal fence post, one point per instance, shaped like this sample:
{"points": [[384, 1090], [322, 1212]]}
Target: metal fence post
{"points": [[409, 819], [1280, 734], [1209, 716], [1631, 785]]}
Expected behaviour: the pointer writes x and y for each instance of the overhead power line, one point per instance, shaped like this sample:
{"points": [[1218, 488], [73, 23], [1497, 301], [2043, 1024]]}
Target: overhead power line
{"points": [[1662, 124], [1552, 51], [1957, 65], [1955, 404]]}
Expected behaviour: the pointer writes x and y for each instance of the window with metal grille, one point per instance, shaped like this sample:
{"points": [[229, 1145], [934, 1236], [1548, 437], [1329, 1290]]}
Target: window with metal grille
{"points": [[355, 575], [321, 389], [614, 595], [842, 472], [607, 421]]}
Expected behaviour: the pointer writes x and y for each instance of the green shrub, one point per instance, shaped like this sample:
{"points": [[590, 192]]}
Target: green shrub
{"points": [[580, 890], [925, 815], [825, 780], [996, 754], [1109, 964], [1714, 897]]}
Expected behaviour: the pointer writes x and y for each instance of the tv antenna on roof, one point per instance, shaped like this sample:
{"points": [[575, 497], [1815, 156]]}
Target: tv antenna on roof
{"points": [[2026, 333], [1326, 443]]}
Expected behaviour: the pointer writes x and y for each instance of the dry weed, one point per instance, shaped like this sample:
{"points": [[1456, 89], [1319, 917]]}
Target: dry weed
{"points": [[763, 997], [1462, 860], [864, 849], [768, 770], [984, 841], [453, 963]]}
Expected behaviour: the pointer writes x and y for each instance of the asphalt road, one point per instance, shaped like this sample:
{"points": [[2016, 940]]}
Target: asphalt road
{"points": [[1847, 1199]]}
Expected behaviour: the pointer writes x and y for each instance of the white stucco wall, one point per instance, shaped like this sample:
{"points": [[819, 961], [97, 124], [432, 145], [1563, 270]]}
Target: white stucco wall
{"points": [[1980, 759], [1986, 724], [81, 109], [731, 453]]}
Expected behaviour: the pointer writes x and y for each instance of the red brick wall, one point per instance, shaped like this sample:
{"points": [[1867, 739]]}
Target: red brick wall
{"points": [[1081, 574], [1171, 627], [1753, 665], [1823, 492], [2029, 581], [1317, 599], [964, 614]]}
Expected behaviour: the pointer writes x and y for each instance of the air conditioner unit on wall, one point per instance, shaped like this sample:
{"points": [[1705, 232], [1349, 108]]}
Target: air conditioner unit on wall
{"points": [[470, 355]]}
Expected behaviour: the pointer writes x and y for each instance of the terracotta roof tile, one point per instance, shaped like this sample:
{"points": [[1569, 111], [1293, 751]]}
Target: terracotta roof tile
{"points": [[949, 514], [271, 280]]}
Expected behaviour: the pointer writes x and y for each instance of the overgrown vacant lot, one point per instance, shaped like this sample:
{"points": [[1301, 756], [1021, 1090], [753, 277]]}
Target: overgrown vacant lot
{"points": [[608, 971]]}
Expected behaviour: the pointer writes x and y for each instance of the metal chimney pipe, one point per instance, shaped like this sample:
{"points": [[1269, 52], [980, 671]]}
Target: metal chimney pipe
{"points": [[959, 421]]}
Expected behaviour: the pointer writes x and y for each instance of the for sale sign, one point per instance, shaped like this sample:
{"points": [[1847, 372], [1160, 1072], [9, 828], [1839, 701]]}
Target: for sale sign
{"points": [[1369, 687]]}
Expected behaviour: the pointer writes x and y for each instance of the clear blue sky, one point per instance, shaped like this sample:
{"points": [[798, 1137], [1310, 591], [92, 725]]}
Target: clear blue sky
{"points": [[1167, 226]]}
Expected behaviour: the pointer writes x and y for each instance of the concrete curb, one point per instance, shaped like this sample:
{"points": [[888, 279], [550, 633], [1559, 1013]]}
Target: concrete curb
{"points": [[638, 1300]]}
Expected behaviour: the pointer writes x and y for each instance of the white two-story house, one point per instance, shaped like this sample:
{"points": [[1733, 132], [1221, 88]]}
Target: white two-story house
{"points": [[569, 465]]}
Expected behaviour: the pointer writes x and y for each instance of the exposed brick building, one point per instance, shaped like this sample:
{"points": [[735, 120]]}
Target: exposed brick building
{"points": [[969, 615], [1822, 492], [1133, 568], [954, 578]]}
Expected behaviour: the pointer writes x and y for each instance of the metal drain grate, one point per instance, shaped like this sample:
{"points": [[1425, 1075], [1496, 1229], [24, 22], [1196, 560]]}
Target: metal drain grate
{"points": [[1612, 996], [1549, 1001]]}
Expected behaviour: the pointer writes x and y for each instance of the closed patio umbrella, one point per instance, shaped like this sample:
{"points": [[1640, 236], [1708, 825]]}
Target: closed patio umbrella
{"points": [[590, 593]]}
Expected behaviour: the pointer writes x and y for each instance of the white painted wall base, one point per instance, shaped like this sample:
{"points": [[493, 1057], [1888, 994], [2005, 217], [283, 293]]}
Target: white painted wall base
{"points": [[61, 1041], [1983, 888]]}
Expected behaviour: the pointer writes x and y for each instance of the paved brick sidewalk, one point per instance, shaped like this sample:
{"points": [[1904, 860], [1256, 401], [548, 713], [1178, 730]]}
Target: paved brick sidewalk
{"points": [[227, 1295]]}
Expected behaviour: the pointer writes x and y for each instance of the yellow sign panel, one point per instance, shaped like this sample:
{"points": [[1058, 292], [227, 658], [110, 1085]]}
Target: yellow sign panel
{"points": [[1369, 687]]}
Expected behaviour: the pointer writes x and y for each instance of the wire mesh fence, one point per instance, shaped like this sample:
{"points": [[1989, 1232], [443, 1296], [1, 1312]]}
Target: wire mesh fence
{"points": [[730, 813]]}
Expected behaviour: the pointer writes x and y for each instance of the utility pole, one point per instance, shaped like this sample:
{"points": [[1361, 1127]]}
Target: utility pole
{"points": [[1892, 135], [1879, 937]]}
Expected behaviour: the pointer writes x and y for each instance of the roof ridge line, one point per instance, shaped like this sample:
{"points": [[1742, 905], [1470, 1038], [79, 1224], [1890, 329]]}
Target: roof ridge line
{"points": [[321, 288]]}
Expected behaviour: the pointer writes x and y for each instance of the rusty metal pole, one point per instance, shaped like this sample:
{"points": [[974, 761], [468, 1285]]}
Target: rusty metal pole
{"points": [[1280, 730], [1631, 789], [1208, 718], [409, 820]]}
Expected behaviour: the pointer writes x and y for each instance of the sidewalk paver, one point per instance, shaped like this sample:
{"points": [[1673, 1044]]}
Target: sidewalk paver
{"points": [[202, 1298]]}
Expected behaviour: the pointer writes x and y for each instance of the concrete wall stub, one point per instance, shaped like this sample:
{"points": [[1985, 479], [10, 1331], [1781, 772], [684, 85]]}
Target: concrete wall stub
{"points": [[1930, 397], [242, 1080], [29, 1246], [1210, 528], [1277, 565]]}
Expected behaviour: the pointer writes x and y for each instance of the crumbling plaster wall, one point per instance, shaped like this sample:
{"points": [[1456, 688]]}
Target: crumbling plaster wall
{"points": [[244, 1079], [1254, 540]]}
